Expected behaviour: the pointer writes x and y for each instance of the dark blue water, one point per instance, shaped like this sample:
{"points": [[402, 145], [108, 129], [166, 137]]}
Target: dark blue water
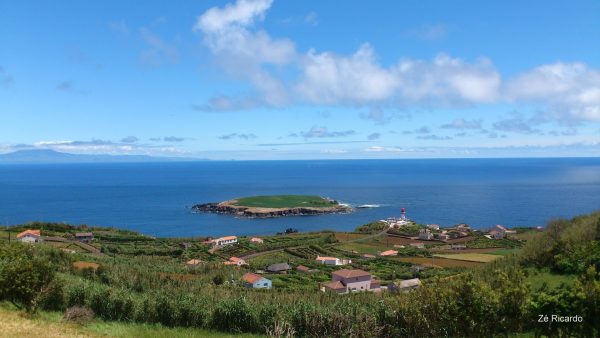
{"points": [[154, 198]]}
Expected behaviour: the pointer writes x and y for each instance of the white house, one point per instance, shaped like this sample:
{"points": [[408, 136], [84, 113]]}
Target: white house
{"points": [[499, 232], [333, 260], [252, 280], [256, 240], [345, 281], [433, 227], [225, 240], [30, 236]]}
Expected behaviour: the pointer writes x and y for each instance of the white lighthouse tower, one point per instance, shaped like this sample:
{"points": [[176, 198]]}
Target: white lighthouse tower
{"points": [[403, 214]]}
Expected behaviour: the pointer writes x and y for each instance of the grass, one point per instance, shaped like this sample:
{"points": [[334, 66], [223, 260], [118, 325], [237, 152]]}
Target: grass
{"points": [[50, 325], [438, 262], [503, 252], [470, 257], [362, 248], [538, 278], [285, 201], [348, 236], [527, 235]]}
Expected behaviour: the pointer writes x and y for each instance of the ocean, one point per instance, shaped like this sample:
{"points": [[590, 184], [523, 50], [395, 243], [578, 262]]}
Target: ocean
{"points": [[155, 198]]}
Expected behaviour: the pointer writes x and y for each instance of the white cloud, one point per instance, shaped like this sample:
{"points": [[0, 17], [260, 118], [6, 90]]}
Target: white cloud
{"points": [[570, 91], [448, 80], [244, 53], [242, 13], [321, 132], [97, 146], [330, 79], [281, 75], [463, 124]]}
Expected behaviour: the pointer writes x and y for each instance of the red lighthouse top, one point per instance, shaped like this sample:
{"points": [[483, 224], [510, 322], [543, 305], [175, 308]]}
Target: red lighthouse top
{"points": [[403, 210]]}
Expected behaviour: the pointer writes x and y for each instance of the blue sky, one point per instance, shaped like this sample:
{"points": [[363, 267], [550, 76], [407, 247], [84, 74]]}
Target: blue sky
{"points": [[260, 79]]}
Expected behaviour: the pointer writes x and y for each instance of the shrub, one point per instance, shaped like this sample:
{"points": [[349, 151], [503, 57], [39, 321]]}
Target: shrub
{"points": [[76, 295], [24, 276], [190, 312], [166, 312], [235, 315], [54, 299]]}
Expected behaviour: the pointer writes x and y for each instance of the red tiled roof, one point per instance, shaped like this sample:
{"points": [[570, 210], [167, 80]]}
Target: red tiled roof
{"points": [[193, 262], [302, 268], [227, 238], [235, 259], [29, 232], [251, 277], [389, 253], [346, 273], [337, 285], [319, 258]]}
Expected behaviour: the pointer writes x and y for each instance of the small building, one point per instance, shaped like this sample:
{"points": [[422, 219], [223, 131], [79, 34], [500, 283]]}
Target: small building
{"points": [[30, 236], [425, 235], [256, 240], [463, 227], [417, 245], [85, 237], [388, 253], [279, 268], [405, 285], [185, 245], [235, 261], [333, 260], [433, 227], [334, 286], [355, 280], [193, 263], [458, 246], [443, 236], [368, 256], [252, 280], [497, 232], [221, 241], [399, 246]]}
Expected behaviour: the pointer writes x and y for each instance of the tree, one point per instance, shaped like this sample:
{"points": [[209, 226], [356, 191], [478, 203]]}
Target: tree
{"points": [[25, 278]]}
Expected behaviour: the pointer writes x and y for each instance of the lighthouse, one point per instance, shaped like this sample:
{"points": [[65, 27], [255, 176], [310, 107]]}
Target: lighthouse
{"points": [[403, 213]]}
